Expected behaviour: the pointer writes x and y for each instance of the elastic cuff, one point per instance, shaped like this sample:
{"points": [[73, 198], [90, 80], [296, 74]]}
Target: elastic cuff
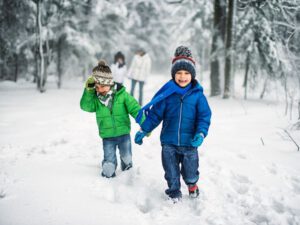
{"points": [[90, 90]]}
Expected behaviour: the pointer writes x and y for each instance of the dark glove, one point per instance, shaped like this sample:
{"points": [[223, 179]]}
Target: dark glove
{"points": [[197, 140], [138, 139]]}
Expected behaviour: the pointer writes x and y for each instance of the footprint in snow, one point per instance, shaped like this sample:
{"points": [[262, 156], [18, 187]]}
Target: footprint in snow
{"points": [[196, 205], [59, 142], [146, 206], [278, 207], [272, 169], [260, 219], [240, 183], [295, 182], [242, 156]]}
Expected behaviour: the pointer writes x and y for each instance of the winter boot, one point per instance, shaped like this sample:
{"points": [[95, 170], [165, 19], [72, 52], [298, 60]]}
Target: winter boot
{"points": [[193, 190], [112, 176], [127, 167]]}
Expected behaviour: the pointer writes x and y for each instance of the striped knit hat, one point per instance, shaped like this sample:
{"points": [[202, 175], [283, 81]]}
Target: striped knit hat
{"points": [[102, 74], [183, 60]]}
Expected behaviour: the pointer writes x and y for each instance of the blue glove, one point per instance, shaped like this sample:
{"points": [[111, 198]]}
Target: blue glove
{"points": [[138, 139], [197, 140]]}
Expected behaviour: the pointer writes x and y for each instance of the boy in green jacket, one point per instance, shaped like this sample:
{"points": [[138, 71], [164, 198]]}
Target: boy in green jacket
{"points": [[112, 105]]}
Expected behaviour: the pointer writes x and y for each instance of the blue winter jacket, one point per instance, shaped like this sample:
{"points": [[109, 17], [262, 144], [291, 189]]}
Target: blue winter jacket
{"points": [[183, 117]]}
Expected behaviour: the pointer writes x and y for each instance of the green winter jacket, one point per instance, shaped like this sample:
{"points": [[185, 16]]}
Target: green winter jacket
{"points": [[115, 122]]}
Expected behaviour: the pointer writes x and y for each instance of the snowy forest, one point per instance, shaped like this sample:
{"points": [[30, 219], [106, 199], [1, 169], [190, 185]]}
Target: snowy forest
{"points": [[247, 55], [42, 38]]}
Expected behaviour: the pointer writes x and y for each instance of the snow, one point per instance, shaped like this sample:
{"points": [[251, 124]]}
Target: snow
{"points": [[50, 156]]}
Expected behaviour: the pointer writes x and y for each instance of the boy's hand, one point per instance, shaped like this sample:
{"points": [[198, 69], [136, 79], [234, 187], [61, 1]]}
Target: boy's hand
{"points": [[197, 140], [90, 83], [138, 139]]}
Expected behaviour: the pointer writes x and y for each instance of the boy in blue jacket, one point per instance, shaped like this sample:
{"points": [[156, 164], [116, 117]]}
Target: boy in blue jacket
{"points": [[185, 113]]}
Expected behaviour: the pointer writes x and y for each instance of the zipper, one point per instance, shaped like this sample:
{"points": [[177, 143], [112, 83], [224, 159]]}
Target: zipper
{"points": [[112, 116], [180, 114], [111, 111]]}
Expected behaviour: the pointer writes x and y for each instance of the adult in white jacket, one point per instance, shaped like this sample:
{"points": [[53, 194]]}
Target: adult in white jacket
{"points": [[119, 69], [139, 71]]}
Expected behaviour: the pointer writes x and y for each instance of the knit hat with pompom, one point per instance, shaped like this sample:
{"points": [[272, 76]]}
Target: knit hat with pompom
{"points": [[102, 74], [183, 60]]}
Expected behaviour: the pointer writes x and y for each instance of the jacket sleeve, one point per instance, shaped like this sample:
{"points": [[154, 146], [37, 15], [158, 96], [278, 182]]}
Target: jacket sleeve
{"points": [[203, 116], [88, 101], [154, 117], [132, 105]]}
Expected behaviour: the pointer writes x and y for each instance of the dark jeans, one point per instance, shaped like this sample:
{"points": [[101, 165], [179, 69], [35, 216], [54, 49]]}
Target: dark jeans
{"points": [[109, 163], [178, 160], [141, 84]]}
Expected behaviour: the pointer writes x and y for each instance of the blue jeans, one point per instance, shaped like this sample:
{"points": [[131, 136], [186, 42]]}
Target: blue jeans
{"points": [[178, 160], [109, 163], [141, 84]]}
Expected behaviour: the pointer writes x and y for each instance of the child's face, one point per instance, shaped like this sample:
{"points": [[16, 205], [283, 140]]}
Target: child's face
{"points": [[183, 78], [102, 89]]}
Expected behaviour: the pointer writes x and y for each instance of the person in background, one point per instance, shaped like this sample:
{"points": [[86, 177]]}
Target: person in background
{"points": [[139, 71], [118, 68]]}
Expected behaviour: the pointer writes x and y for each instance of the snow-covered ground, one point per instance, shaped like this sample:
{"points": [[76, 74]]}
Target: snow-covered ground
{"points": [[50, 156]]}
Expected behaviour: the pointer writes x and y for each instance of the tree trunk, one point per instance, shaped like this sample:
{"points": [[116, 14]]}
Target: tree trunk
{"points": [[36, 67], [214, 70], [246, 74], [228, 49], [299, 109], [37, 50], [286, 95], [2, 43], [299, 92], [291, 106], [40, 41], [262, 94], [59, 66], [16, 67], [218, 34], [48, 58], [202, 66]]}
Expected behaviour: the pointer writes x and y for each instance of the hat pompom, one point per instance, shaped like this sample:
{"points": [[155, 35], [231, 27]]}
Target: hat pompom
{"points": [[102, 63], [183, 51]]}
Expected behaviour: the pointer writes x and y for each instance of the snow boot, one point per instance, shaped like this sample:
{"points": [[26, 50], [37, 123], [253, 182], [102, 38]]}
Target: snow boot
{"points": [[127, 167], [193, 191], [112, 176]]}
